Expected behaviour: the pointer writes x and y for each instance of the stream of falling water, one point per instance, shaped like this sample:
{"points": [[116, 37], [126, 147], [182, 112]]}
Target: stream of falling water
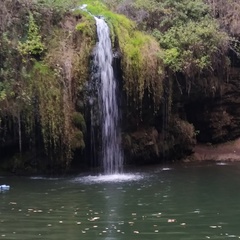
{"points": [[107, 99]]}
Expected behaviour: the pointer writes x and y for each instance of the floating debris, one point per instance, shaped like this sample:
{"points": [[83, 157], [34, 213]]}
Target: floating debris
{"points": [[197, 211], [213, 226], [221, 163], [93, 219], [171, 220]]}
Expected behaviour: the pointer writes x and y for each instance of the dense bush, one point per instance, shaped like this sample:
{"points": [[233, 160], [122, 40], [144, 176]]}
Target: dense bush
{"points": [[185, 30]]}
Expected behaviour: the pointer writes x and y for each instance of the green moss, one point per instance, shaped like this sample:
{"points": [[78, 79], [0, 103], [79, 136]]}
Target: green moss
{"points": [[46, 87], [69, 70], [77, 140], [86, 25], [141, 64], [95, 7], [79, 121], [81, 26]]}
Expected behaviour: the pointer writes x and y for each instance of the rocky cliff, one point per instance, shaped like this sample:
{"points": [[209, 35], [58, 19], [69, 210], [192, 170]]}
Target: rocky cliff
{"points": [[176, 62]]}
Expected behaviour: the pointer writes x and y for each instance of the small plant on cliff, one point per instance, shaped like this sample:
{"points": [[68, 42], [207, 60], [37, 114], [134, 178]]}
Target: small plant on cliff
{"points": [[86, 26], [2, 92], [33, 45]]}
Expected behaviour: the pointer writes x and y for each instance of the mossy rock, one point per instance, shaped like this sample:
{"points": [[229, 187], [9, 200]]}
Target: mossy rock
{"points": [[79, 121], [78, 140]]}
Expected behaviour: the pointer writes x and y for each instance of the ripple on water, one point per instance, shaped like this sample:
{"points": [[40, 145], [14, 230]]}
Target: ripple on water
{"points": [[44, 178], [109, 178], [221, 163]]}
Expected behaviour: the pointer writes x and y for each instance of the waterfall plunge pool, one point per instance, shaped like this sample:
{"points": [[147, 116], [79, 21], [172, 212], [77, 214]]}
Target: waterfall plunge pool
{"points": [[181, 202]]}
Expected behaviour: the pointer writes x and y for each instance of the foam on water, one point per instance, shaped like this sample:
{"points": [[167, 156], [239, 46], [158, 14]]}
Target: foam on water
{"points": [[221, 163], [109, 178], [166, 169]]}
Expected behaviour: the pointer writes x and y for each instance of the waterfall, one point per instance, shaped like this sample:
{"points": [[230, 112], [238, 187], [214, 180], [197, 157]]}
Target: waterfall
{"points": [[107, 101]]}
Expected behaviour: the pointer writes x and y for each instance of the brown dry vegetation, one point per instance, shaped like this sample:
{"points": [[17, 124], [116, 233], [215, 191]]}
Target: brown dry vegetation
{"points": [[227, 12]]}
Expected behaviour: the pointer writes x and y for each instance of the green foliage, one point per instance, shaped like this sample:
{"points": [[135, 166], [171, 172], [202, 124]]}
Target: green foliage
{"points": [[171, 58], [141, 64], [81, 26], [190, 38], [85, 27], [190, 48], [47, 89], [33, 45], [167, 13]]}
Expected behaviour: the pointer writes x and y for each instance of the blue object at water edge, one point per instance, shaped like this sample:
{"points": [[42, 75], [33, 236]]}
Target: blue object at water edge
{"points": [[4, 187]]}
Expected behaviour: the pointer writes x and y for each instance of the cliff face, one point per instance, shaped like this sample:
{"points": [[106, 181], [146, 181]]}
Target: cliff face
{"points": [[44, 66], [179, 83], [217, 118], [216, 114]]}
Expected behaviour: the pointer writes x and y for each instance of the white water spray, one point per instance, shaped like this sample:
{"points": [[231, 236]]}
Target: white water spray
{"points": [[107, 99]]}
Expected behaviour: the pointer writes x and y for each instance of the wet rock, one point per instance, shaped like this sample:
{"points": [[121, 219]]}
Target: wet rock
{"points": [[217, 118]]}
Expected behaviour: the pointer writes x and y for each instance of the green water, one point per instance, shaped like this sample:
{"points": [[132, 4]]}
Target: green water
{"points": [[183, 202]]}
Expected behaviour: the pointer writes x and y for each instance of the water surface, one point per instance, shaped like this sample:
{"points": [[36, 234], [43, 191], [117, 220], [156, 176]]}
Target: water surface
{"points": [[180, 202]]}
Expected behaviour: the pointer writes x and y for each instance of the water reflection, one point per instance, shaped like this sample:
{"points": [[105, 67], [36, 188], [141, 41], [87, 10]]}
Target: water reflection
{"points": [[113, 207]]}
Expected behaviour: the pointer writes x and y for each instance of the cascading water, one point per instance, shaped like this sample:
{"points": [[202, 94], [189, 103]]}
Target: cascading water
{"points": [[107, 101]]}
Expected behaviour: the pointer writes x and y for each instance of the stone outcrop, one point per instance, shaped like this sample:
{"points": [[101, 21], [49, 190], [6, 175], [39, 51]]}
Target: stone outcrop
{"points": [[217, 118]]}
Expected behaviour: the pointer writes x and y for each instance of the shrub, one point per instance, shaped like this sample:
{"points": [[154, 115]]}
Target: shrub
{"points": [[33, 45]]}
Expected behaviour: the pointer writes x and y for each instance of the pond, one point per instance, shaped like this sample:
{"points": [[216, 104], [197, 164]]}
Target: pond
{"points": [[177, 202]]}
